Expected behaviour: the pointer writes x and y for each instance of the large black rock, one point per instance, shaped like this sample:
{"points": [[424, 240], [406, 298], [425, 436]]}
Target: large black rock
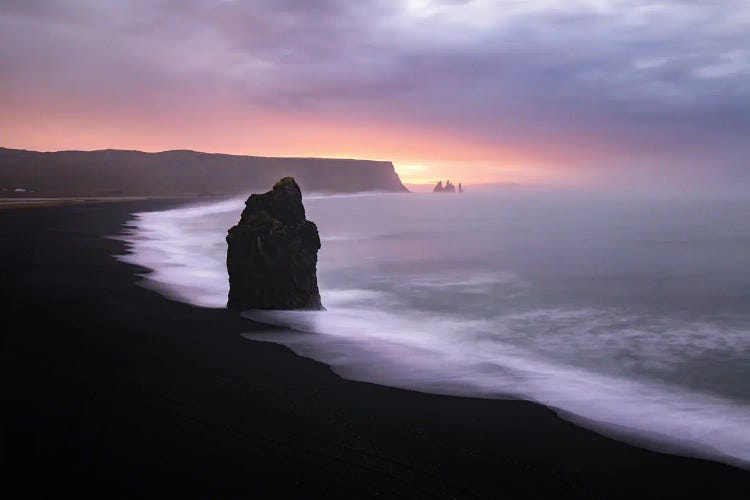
{"points": [[272, 253]]}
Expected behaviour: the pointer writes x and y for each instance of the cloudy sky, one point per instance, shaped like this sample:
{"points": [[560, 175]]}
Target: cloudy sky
{"points": [[607, 93]]}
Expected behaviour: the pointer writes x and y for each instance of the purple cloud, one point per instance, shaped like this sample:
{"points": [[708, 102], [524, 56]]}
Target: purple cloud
{"points": [[655, 86]]}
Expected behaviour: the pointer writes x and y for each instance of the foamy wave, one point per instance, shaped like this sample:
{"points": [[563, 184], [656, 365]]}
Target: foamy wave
{"points": [[610, 369], [433, 354], [184, 251]]}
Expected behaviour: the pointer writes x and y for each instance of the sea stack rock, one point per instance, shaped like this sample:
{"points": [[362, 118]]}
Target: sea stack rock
{"points": [[272, 253], [448, 188]]}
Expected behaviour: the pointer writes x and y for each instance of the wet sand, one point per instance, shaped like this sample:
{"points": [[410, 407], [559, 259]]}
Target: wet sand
{"points": [[30, 202]]}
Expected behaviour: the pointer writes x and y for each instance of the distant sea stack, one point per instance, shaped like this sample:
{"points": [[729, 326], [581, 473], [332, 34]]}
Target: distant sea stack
{"points": [[447, 188], [272, 253]]}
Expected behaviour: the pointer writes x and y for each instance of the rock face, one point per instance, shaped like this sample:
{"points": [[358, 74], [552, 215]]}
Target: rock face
{"points": [[183, 173], [448, 188], [272, 253]]}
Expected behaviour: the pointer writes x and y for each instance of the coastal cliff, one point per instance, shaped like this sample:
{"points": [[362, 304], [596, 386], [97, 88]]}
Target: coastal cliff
{"points": [[180, 173], [272, 253]]}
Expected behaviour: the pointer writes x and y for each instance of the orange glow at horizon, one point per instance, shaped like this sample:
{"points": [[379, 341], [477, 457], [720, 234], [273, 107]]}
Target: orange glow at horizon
{"points": [[420, 155]]}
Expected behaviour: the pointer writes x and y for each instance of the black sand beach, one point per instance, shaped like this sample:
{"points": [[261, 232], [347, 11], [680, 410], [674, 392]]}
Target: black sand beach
{"points": [[111, 389]]}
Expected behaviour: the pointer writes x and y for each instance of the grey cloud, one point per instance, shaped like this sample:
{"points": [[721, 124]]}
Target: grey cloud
{"points": [[632, 73]]}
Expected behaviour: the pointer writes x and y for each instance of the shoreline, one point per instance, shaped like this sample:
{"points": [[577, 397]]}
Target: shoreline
{"points": [[29, 202], [119, 389]]}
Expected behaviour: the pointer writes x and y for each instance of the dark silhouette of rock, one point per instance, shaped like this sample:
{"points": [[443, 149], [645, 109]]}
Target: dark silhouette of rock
{"points": [[272, 253], [447, 188], [460, 188]]}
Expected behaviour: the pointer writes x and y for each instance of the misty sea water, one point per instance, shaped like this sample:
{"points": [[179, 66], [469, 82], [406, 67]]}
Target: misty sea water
{"points": [[628, 316]]}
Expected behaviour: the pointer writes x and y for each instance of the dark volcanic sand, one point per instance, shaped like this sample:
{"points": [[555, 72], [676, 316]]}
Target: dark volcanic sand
{"points": [[110, 388]]}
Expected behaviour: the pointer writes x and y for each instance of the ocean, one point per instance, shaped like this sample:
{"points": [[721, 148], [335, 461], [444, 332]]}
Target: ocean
{"points": [[628, 316]]}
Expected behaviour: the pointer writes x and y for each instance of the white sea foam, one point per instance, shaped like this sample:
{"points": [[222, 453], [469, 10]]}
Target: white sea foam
{"points": [[183, 251], [458, 327], [434, 354]]}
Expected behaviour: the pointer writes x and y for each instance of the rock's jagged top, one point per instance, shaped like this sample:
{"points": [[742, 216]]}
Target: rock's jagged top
{"points": [[447, 188], [283, 202], [272, 253]]}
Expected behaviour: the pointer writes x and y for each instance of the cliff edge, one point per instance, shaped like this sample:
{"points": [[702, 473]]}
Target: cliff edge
{"points": [[112, 172]]}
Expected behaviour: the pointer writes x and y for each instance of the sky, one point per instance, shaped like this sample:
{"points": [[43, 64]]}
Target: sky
{"points": [[608, 94]]}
